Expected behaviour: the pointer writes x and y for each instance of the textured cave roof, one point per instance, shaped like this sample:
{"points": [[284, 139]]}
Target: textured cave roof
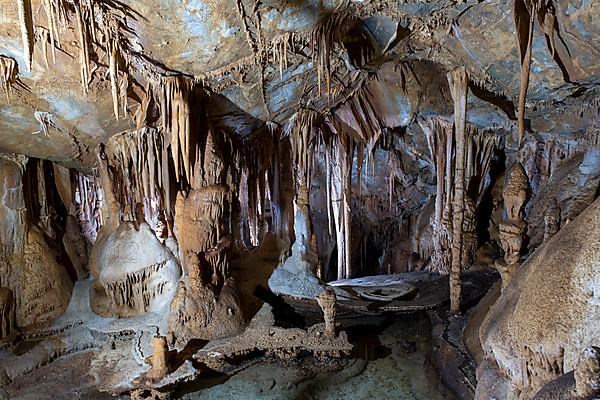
{"points": [[204, 38]]}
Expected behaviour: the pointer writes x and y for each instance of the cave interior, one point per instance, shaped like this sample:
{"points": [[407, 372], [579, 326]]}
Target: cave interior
{"points": [[358, 199]]}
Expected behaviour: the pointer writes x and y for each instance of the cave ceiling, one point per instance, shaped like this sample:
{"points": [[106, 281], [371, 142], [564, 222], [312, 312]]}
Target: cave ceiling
{"points": [[257, 60]]}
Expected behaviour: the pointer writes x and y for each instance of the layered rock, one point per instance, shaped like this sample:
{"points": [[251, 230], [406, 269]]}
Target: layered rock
{"points": [[45, 286]]}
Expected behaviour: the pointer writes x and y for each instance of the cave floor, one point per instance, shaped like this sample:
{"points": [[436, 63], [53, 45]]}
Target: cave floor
{"points": [[390, 360], [66, 378]]}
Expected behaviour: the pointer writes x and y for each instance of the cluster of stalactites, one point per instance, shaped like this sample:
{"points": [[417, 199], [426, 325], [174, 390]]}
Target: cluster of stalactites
{"points": [[479, 151], [325, 35], [259, 181], [88, 202], [8, 74], [137, 289], [141, 182], [96, 26], [174, 101], [302, 131]]}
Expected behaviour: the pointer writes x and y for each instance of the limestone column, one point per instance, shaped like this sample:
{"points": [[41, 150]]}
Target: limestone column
{"points": [[458, 87]]}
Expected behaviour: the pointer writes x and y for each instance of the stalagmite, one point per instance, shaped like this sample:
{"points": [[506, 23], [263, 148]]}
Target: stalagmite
{"points": [[327, 301], [160, 363], [440, 138], [206, 304], [296, 275], [8, 74], [340, 156], [26, 25], [512, 229], [458, 81]]}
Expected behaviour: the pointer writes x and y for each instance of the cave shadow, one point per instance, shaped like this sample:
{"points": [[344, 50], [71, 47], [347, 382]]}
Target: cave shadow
{"points": [[187, 353], [285, 315], [365, 336]]}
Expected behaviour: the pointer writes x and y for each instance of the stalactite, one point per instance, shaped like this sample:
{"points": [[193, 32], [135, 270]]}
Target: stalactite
{"points": [[302, 134], [88, 202], [52, 27], [43, 35], [524, 20], [27, 34], [477, 155], [525, 12], [111, 205], [113, 69], [8, 75], [440, 137], [84, 56], [175, 112], [327, 33], [280, 49], [136, 158]]}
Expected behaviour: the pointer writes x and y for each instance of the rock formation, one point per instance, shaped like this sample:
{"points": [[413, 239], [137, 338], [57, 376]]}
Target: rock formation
{"points": [[133, 271], [296, 275], [587, 374], [513, 228], [327, 301], [340, 161], [206, 304], [551, 292]]}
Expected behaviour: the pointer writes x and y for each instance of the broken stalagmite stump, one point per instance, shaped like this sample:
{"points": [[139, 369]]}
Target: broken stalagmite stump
{"points": [[327, 300]]}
